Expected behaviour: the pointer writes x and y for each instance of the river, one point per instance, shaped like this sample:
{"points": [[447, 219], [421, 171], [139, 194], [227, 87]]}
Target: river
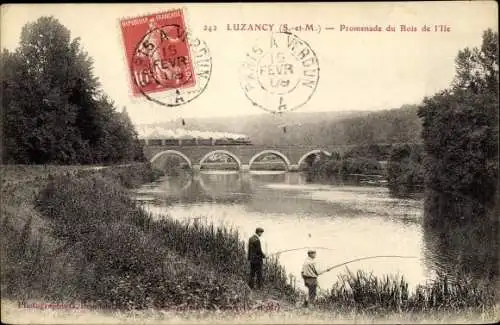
{"points": [[343, 221]]}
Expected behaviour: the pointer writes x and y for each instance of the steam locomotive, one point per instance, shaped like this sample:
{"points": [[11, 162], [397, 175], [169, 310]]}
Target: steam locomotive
{"points": [[196, 142]]}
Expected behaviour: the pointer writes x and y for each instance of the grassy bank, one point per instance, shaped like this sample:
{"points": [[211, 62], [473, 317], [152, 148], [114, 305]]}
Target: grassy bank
{"points": [[83, 239], [27, 233]]}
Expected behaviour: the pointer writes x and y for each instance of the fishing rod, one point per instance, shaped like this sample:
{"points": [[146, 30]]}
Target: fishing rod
{"points": [[299, 248], [366, 258]]}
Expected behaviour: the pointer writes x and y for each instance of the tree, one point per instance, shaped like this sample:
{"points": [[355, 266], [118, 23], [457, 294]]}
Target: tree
{"points": [[477, 68], [53, 109], [13, 122], [134, 148], [45, 75], [460, 127], [119, 140]]}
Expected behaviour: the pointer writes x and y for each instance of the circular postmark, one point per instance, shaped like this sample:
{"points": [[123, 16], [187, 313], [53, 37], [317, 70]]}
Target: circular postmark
{"points": [[169, 66], [280, 74]]}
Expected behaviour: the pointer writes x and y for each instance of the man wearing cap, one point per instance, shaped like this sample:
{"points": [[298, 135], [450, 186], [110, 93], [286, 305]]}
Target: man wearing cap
{"points": [[310, 275], [255, 256]]}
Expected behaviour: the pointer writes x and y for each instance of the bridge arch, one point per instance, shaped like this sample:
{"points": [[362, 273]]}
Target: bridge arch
{"points": [[174, 152], [315, 151], [274, 152], [230, 154]]}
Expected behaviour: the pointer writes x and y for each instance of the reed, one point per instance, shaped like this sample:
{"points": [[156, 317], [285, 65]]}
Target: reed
{"points": [[362, 292], [220, 246]]}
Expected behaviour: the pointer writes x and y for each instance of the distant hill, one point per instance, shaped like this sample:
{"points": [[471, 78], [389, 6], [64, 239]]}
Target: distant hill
{"points": [[388, 126], [320, 128]]}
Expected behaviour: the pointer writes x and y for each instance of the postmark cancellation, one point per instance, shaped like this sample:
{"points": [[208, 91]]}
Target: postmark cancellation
{"points": [[166, 64], [280, 73]]}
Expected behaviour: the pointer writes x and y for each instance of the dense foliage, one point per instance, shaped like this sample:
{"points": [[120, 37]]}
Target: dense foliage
{"points": [[460, 128], [349, 168], [379, 152], [52, 108], [460, 133], [405, 171]]}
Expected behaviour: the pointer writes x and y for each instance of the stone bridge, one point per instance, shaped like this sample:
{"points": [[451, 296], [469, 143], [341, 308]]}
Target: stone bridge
{"points": [[244, 155]]}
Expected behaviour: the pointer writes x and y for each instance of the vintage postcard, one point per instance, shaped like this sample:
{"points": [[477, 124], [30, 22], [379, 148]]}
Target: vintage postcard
{"points": [[250, 163]]}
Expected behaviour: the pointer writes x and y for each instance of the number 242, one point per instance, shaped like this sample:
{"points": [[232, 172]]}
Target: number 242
{"points": [[209, 28]]}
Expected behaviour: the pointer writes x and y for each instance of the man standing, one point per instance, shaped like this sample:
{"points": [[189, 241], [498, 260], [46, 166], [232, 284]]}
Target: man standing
{"points": [[310, 275], [255, 256]]}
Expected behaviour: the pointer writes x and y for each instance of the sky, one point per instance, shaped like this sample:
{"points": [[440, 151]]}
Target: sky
{"points": [[357, 70]]}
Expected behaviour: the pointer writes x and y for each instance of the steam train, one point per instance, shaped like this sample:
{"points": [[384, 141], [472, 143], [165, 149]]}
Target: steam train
{"points": [[196, 142]]}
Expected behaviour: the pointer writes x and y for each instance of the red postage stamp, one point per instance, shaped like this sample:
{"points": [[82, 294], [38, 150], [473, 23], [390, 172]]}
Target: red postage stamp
{"points": [[157, 52]]}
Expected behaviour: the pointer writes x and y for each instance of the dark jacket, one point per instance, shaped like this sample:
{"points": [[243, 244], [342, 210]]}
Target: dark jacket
{"points": [[255, 253]]}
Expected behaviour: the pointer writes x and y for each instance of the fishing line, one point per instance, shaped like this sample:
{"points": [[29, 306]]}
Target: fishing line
{"points": [[360, 259], [299, 248], [366, 258]]}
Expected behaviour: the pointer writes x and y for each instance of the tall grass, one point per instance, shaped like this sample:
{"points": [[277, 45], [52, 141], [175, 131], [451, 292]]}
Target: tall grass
{"points": [[221, 247], [362, 292], [108, 251]]}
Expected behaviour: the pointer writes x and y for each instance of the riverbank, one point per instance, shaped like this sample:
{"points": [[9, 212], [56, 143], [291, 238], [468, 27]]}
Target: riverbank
{"points": [[20, 185], [79, 237], [75, 237]]}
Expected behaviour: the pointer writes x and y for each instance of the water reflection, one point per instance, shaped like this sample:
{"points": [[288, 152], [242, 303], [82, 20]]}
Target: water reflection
{"points": [[461, 237], [348, 220]]}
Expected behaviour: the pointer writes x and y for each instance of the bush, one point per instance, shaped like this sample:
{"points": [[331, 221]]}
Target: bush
{"points": [[365, 166], [100, 248], [20, 255], [405, 170], [77, 207], [131, 175], [332, 168], [122, 257]]}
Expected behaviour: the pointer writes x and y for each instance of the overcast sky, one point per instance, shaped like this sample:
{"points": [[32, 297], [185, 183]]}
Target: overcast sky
{"points": [[358, 70]]}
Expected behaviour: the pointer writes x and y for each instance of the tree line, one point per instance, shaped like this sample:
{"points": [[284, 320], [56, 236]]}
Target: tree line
{"points": [[53, 110], [460, 135], [460, 128]]}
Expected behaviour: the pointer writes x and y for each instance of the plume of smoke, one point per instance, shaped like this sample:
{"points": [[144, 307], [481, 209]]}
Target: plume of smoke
{"points": [[156, 132]]}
